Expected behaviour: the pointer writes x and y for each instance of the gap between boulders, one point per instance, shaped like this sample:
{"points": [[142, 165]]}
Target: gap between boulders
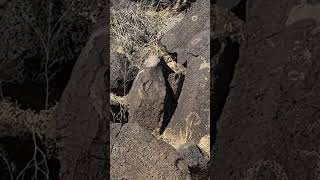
{"points": [[222, 76]]}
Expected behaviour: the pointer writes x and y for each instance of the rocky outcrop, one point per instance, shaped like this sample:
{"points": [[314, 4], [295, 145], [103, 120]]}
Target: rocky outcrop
{"points": [[115, 129], [80, 119], [151, 102], [176, 83], [197, 160], [267, 129], [172, 104], [229, 4], [190, 121], [137, 154], [178, 38]]}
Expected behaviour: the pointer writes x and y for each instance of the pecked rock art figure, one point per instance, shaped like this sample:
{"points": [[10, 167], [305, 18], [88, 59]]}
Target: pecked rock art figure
{"points": [[190, 121]]}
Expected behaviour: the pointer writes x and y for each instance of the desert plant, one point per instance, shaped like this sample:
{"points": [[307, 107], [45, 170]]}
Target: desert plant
{"points": [[137, 25], [37, 165], [26, 121], [46, 39], [136, 30]]}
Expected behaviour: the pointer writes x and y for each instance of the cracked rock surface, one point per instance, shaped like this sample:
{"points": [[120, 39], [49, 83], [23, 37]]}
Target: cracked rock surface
{"points": [[137, 154], [267, 129], [80, 117], [191, 121]]}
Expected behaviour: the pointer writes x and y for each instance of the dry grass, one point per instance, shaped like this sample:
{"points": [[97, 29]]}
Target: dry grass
{"points": [[138, 28], [136, 31], [26, 120]]}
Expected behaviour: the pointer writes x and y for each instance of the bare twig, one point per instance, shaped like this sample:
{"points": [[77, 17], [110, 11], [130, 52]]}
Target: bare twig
{"points": [[8, 165]]}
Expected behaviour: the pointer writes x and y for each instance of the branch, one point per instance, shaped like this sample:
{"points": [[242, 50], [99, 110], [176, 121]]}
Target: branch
{"points": [[8, 165]]}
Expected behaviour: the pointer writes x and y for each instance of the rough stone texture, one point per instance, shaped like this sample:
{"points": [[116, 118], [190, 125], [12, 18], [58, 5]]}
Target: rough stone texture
{"points": [[80, 118], [137, 154], [195, 20], [309, 9], [176, 83], [150, 100], [117, 4], [268, 128], [190, 121], [224, 24], [115, 129], [196, 160], [227, 3], [261, 26]]}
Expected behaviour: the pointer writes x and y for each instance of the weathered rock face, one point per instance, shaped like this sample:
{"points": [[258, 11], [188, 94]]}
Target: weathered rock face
{"points": [[195, 21], [151, 102], [261, 26], [227, 3], [196, 160], [190, 121], [137, 154], [115, 129], [268, 126], [80, 117], [224, 24], [176, 83]]}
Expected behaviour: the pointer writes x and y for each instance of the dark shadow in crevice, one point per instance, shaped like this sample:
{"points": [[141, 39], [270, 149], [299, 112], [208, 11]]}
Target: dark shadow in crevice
{"points": [[18, 150], [120, 91], [199, 173], [169, 108], [188, 5], [173, 56], [185, 64], [221, 77], [170, 104], [30, 91], [28, 94], [240, 10], [118, 114], [31, 94]]}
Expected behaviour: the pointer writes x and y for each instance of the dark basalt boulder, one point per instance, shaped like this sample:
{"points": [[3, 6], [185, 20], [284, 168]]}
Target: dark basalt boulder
{"points": [[197, 18], [190, 121], [80, 125], [151, 102], [176, 83], [268, 127], [197, 161], [115, 129], [137, 154], [229, 4]]}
